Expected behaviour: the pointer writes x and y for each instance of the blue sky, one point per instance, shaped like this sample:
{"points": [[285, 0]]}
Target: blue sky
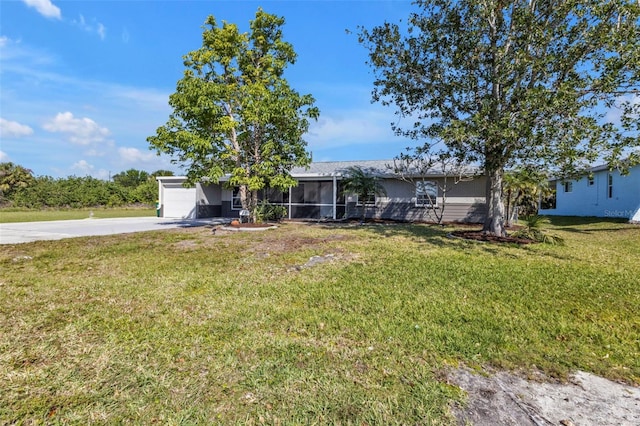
{"points": [[84, 83]]}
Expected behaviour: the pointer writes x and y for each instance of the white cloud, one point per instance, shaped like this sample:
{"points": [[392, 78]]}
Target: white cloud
{"points": [[134, 155], [614, 114], [146, 99], [3, 41], [13, 129], [83, 167], [357, 128], [4, 156], [94, 27], [45, 8], [80, 131], [102, 31]]}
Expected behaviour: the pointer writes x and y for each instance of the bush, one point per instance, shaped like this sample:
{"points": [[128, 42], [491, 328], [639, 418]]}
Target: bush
{"points": [[267, 212], [75, 192], [533, 231]]}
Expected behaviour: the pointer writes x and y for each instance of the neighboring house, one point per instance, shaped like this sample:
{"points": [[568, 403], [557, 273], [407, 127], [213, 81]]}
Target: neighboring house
{"points": [[319, 196], [601, 192]]}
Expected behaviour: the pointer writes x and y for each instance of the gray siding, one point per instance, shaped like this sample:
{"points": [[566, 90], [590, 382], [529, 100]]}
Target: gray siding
{"points": [[464, 201], [471, 213]]}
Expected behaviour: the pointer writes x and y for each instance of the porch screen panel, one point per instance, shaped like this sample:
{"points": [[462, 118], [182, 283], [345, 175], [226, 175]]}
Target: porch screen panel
{"points": [[312, 193], [275, 196], [297, 193]]}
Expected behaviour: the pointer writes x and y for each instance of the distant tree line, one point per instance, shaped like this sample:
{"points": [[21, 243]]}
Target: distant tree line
{"points": [[20, 188]]}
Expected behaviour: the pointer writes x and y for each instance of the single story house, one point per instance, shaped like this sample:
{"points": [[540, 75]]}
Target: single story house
{"points": [[600, 192], [319, 195]]}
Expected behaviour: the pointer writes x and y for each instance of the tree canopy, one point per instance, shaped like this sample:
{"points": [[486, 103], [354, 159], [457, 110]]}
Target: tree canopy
{"points": [[12, 178], [529, 83], [235, 114], [19, 188], [131, 178]]}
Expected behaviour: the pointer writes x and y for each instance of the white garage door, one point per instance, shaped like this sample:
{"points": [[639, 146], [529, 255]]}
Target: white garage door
{"points": [[178, 201]]}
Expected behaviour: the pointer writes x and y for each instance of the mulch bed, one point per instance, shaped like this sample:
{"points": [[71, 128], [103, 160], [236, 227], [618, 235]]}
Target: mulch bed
{"points": [[481, 236]]}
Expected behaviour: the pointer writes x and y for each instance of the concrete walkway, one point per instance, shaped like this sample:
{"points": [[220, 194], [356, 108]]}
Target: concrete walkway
{"points": [[24, 232]]}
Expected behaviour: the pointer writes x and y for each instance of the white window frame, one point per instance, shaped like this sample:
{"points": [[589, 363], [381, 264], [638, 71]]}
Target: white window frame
{"points": [[609, 185], [368, 202], [567, 186], [427, 193]]}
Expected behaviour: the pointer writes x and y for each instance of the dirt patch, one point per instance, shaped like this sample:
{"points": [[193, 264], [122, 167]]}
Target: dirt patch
{"points": [[316, 260], [507, 399], [186, 244], [481, 236]]}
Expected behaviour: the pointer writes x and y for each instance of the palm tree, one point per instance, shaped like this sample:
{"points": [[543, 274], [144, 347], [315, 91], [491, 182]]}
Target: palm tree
{"points": [[12, 178], [364, 183], [523, 187]]}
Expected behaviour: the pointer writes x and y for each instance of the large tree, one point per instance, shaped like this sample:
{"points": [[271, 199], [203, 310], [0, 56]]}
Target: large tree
{"points": [[131, 178], [528, 83], [235, 114]]}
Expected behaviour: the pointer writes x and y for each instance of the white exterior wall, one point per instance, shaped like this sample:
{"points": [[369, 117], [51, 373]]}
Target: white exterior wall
{"points": [[593, 200]]}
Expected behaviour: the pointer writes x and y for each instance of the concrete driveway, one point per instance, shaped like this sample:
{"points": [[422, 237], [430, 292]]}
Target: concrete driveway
{"points": [[24, 232]]}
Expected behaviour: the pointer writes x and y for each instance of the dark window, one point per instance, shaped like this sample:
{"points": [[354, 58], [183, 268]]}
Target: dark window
{"points": [[236, 203]]}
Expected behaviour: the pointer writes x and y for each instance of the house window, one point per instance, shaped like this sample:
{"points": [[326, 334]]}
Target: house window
{"points": [[568, 187], [427, 193], [369, 201], [236, 203], [590, 181], [610, 185]]}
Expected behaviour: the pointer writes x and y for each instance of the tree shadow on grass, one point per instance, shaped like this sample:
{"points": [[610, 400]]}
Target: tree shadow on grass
{"points": [[431, 234], [575, 223]]}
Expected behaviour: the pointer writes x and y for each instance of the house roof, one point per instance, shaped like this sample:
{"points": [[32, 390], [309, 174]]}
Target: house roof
{"points": [[319, 169], [382, 168], [338, 168], [594, 169]]}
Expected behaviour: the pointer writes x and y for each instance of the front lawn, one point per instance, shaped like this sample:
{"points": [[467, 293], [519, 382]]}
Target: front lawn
{"points": [[184, 326], [8, 215]]}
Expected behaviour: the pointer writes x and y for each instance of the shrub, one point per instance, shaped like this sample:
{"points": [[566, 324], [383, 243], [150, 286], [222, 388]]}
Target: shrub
{"points": [[533, 231], [267, 212]]}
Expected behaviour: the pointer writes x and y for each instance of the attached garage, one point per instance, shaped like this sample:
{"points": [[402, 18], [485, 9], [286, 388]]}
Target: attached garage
{"points": [[176, 200]]}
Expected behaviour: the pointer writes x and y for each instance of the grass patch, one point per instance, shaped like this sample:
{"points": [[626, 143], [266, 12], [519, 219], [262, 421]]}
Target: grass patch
{"points": [[182, 326], [10, 215]]}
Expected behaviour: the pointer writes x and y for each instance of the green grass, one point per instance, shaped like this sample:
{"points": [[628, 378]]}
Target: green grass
{"points": [[9, 215], [186, 327]]}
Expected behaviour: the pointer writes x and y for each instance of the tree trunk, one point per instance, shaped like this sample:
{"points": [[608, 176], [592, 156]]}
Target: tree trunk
{"points": [[244, 196], [509, 207], [494, 220], [253, 206]]}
